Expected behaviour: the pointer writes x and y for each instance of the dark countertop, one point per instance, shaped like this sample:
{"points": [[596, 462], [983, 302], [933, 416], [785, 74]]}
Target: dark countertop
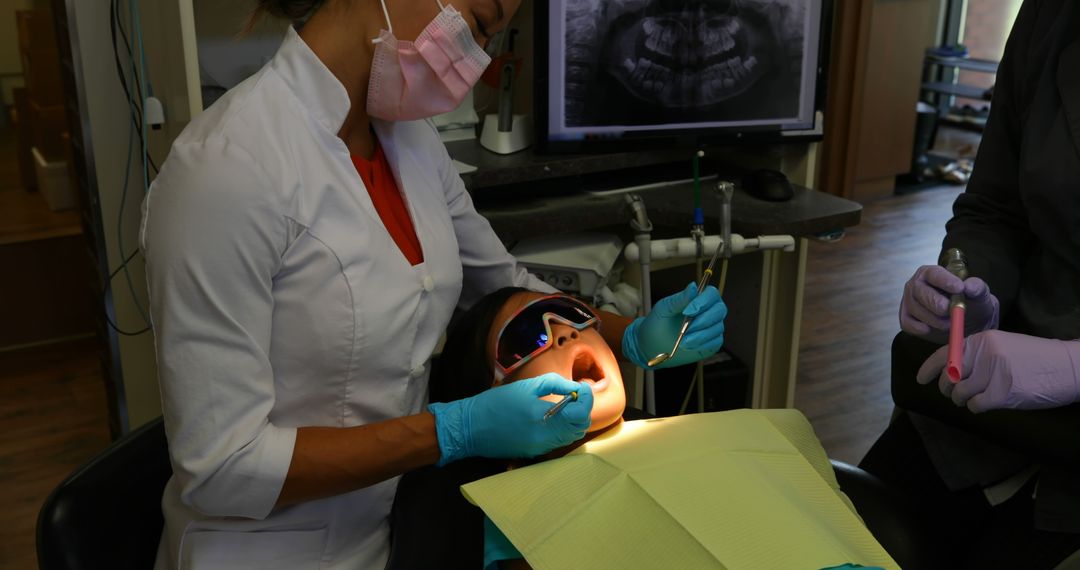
{"points": [[527, 165], [528, 194], [808, 213]]}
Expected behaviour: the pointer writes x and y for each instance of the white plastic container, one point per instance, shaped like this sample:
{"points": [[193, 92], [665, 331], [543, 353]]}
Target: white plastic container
{"points": [[53, 182]]}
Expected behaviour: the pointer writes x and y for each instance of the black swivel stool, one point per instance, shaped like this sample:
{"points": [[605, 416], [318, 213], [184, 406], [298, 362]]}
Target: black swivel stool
{"points": [[107, 514]]}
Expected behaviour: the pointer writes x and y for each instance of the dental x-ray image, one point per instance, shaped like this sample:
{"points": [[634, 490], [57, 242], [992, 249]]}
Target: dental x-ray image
{"points": [[660, 62]]}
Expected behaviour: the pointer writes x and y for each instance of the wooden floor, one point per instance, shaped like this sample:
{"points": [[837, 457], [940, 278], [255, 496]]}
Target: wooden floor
{"points": [[52, 420], [52, 403], [852, 298], [52, 399]]}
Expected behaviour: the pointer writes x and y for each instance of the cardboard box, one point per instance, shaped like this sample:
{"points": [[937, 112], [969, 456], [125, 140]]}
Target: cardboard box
{"points": [[53, 182]]}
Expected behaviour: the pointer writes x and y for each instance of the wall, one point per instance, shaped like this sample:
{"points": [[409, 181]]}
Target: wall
{"points": [[107, 117], [987, 24], [169, 69]]}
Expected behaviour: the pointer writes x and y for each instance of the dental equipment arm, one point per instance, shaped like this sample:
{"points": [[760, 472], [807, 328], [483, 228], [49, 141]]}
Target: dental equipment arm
{"points": [[726, 244], [686, 248]]}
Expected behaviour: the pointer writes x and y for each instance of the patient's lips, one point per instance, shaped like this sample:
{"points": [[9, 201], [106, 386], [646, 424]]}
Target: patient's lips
{"points": [[585, 368]]}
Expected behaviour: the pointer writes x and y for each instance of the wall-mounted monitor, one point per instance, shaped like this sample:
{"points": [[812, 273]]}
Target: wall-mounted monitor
{"points": [[613, 74]]}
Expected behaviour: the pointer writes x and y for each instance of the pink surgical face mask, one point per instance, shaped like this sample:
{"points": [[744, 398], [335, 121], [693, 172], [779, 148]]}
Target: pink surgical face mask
{"points": [[427, 77]]}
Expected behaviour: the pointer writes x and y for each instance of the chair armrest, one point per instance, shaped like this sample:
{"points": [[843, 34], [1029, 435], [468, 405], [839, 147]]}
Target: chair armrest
{"points": [[889, 516]]}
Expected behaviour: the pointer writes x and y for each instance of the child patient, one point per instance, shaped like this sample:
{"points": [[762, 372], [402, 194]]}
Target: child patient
{"points": [[514, 334], [509, 335]]}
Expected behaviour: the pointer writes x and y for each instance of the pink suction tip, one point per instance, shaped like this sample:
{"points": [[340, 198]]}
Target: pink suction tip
{"points": [[956, 344]]}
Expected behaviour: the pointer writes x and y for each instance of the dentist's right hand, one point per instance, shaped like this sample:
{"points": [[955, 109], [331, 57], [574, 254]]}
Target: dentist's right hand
{"points": [[924, 309], [508, 421]]}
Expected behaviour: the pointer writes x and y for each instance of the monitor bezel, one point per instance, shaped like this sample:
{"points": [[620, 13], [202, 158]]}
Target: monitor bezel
{"points": [[682, 138]]}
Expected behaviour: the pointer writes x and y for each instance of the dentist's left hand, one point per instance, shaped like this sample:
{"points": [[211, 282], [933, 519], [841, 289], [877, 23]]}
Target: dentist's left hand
{"points": [[508, 421], [656, 332]]}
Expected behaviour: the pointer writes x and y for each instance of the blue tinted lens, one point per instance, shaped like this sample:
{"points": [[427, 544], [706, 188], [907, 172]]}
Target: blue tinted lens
{"points": [[526, 334]]}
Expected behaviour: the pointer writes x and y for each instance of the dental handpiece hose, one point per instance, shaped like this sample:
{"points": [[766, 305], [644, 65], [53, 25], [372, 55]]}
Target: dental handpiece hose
{"points": [[956, 263]]}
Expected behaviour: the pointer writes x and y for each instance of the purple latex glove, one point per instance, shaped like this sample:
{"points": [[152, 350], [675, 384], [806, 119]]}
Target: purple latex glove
{"points": [[1004, 370], [924, 309]]}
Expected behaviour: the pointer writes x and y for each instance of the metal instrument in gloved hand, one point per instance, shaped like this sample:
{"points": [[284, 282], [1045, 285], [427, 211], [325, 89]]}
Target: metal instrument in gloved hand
{"points": [[924, 308], [508, 421], [656, 332]]}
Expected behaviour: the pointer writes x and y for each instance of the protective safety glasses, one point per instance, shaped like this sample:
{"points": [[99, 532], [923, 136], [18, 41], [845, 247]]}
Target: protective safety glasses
{"points": [[528, 332]]}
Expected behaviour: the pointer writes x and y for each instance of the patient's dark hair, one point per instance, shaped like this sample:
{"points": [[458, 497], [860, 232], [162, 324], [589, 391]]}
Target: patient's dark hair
{"points": [[294, 10], [464, 368], [289, 9]]}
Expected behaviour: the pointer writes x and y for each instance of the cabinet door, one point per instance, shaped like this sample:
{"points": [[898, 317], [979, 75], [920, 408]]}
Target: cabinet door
{"points": [[900, 32]]}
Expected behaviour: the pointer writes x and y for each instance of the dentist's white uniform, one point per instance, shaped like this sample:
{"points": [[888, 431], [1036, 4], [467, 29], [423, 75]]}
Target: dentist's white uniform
{"points": [[279, 300]]}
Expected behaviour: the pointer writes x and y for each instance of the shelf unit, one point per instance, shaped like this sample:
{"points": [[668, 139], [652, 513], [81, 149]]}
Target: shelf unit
{"points": [[940, 83]]}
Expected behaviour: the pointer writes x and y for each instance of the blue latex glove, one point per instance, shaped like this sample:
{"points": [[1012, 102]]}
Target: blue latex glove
{"points": [[1004, 370], [924, 308], [656, 332], [508, 421]]}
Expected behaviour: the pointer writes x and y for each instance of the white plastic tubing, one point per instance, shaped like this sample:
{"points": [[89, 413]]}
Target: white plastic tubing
{"points": [[686, 248]]}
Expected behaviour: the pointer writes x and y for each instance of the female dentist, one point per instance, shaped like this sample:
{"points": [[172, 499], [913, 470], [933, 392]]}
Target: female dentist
{"points": [[307, 241]]}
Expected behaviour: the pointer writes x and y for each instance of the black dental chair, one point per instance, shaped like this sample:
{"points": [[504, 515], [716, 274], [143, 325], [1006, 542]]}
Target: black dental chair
{"points": [[888, 514], [107, 514]]}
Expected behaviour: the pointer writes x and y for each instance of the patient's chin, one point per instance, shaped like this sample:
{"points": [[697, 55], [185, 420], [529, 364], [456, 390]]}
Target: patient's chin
{"points": [[607, 411]]}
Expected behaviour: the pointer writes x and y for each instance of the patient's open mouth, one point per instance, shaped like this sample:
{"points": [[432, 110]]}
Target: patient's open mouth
{"points": [[586, 369]]}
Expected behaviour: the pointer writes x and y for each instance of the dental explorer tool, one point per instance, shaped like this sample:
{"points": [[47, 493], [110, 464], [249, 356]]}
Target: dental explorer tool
{"points": [[727, 189], [956, 263], [571, 397]]}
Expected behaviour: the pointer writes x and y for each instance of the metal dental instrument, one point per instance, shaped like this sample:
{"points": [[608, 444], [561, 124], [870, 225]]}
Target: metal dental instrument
{"points": [[727, 189], [571, 397]]}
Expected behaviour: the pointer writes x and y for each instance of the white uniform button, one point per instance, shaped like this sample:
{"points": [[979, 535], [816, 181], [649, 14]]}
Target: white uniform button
{"points": [[418, 371], [429, 283]]}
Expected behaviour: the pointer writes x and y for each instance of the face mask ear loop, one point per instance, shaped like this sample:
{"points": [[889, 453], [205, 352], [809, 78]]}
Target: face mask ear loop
{"points": [[389, 26], [441, 5]]}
